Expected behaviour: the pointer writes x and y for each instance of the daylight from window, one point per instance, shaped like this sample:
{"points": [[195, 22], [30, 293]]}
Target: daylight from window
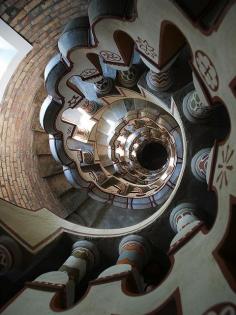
{"points": [[7, 53]]}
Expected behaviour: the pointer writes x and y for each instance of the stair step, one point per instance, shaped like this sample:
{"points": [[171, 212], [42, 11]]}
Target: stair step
{"points": [[73, 199], [58, 184], [89, 211], [41, 143], [48, 166], [77, 219]]}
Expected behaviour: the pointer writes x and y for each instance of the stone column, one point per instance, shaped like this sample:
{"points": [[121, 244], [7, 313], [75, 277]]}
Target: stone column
{"points": [[160, 81], [134, 250], [181, 216], [104, 86], [83, 259], [199, 164], [183, 221], [193, 108], [10, 255], [134, 253], [129, 77]]}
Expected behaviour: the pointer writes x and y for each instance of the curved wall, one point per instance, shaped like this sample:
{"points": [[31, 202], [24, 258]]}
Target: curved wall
{"points": [[40, 23]]}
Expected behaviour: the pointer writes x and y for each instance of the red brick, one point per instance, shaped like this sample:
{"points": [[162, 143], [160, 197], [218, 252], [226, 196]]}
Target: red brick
{"points": [[40, 23]]}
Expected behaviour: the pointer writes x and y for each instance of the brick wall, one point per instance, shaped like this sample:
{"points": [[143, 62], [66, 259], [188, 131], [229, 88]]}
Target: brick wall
{"points": [[40, 23]]}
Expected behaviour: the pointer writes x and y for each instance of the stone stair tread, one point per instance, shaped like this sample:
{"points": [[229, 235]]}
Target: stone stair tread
{"points": [[48, 166], [41, 143], [58, 184]]}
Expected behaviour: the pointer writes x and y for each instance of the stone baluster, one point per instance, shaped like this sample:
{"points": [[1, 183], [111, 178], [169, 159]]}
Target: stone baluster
{"points": [[134, 251], [199, 164], [10, 255], [104, 86], [128, 78], [194, 109], [84, 257], [184, 222], [159, 81], [134, 254]]}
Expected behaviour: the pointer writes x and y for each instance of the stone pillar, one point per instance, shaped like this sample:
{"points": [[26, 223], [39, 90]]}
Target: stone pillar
{"points": [[194, 110], [104, 86], [181, 216], [160, 81], [183, 222], [134, 253], [10, 255], [199, 164], [83, 259], [134, 250], [129, 77]]}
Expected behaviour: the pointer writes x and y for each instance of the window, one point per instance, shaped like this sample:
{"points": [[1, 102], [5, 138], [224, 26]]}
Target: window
{"points": [[13, 49]]}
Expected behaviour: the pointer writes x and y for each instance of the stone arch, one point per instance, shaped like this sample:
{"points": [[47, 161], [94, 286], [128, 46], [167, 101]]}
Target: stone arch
{"points": [[125, 44], [172, 41]]}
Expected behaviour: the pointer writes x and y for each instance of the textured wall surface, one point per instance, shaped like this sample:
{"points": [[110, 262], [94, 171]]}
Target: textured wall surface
{"points": [[40, 23]]}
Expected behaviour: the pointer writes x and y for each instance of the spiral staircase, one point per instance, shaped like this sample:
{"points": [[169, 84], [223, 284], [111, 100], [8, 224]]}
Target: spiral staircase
{"points": [[136, 144]]}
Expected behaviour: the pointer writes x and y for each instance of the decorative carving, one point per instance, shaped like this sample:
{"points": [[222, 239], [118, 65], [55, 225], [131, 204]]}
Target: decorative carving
{"points": [[10, 255], [74, 100], [129, 77], [135, 251], [207, 70], [100, 177], [88, 73], [184, 222], [145, 47], [161, 81], [6, 260], [182, 215], [202, 163], [199, 164], [92, 176], [222, 309], [194, 110], [88, 157], [104, 86], [110, 56], [224, 167]]}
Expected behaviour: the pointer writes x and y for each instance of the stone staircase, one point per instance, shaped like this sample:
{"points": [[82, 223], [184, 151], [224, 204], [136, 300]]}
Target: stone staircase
{"points": [[50, 170], [76, 205]]}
